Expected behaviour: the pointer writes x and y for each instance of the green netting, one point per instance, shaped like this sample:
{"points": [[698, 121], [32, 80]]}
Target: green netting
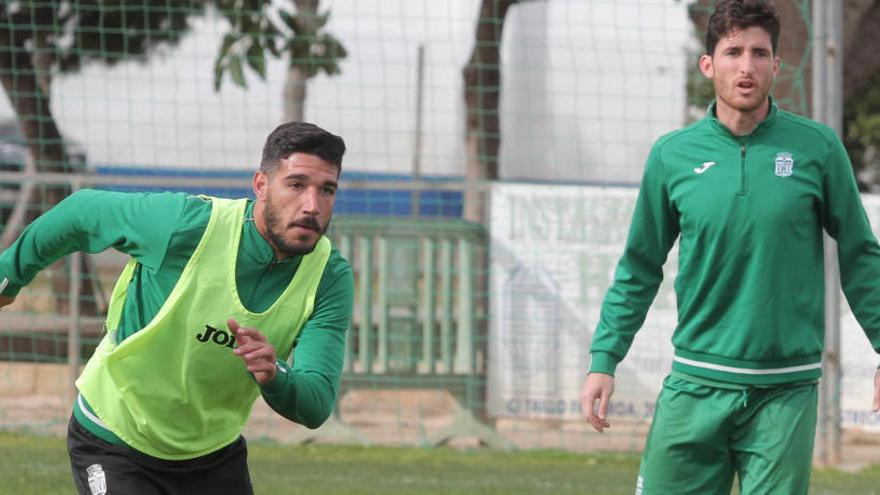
{"points": [[435, 101]]}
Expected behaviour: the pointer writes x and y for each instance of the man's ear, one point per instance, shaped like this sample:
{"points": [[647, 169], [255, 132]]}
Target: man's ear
{"points": [[706, 66], [260, 184]]}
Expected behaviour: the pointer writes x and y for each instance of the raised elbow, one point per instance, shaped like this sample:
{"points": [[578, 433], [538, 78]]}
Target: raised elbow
{"points": [[316, 419]]}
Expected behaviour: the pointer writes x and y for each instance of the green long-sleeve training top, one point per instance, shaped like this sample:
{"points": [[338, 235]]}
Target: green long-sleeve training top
{"points": [[749, 213], [161, 231]]}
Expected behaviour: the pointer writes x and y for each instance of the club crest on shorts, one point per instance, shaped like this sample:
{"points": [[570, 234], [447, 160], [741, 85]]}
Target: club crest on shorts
{"points": [[97, 480], [784, 164]]}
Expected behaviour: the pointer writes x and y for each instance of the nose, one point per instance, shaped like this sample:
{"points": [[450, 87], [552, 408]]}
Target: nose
{"points": [[747, 64], [311, 202]]}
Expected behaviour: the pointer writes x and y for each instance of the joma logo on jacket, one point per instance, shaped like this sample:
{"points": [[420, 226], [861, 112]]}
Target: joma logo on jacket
{"points": [[219, 337]]}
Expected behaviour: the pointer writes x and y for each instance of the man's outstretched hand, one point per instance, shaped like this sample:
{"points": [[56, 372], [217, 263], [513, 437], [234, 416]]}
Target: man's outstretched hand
{"points": [[258, 354]]}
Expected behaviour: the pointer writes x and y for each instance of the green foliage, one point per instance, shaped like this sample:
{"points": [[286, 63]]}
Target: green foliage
{"points": [[109, 31], [260, 29], [861, 124]]}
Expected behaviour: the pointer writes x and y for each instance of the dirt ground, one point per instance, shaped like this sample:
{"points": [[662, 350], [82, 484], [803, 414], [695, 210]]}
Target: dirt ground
{"points": [[37, 397]]}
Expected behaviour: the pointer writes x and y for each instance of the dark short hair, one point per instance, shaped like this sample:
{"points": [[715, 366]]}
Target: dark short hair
{"points": [[301, 137], [734, 15]]}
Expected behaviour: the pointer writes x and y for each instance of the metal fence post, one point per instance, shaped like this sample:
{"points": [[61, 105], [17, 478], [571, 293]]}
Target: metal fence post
{"points": [[827, 98]]}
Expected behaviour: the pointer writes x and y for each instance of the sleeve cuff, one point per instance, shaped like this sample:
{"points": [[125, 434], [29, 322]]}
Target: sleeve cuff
{"points": [[280, 380], [7, 288], [603, 362]]}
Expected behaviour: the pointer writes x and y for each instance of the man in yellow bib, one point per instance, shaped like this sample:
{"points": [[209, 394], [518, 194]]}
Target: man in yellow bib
{"points": [[216, 295]]}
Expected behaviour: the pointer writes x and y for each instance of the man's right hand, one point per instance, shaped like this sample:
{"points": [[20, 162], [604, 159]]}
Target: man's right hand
{"points": [[598, 386], [6, 300]]}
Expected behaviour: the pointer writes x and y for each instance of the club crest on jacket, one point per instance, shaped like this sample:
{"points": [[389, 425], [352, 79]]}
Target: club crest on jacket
{"points": [[784, 164]]}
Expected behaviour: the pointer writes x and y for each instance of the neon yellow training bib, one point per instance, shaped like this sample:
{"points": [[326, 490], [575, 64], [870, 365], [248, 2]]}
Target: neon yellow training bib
{"points": [[174, 390]]}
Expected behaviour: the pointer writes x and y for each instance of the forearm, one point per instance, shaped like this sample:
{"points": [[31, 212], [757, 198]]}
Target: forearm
{"points": [[623, 312], [652, 233], [307, 398], [306, 393], [859, 272], [54, 234]]}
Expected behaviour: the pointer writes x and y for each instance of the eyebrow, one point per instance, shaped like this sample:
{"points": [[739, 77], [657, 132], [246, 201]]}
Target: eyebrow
{"points": [[743, 48], [306, 178]]}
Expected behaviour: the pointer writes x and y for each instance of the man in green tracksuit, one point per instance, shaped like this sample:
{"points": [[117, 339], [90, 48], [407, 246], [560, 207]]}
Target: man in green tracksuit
{"points": [[747, 191], [217, 294]]}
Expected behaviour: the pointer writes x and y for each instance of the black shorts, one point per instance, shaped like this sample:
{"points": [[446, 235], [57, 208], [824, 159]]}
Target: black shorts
{"points": [[101, 468]]}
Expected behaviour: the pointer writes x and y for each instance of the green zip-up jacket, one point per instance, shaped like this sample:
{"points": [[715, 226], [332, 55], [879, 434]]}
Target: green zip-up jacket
{"points": [[749, 213], [161, 231]]}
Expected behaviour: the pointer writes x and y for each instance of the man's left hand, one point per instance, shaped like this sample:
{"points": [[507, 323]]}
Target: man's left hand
{"points": [[258, 354]]}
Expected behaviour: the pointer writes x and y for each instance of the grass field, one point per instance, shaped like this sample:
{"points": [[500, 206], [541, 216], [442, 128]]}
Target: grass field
{"points": [[37, 465]]}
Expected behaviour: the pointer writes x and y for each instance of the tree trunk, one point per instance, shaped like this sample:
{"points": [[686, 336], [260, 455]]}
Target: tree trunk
{"points": [[31, 104], [295, 86], [19, 78], [482, 92], [295, 94]]}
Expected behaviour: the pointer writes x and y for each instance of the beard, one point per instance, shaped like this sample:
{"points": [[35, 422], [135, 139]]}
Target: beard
{"points": [[275, 232]]}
